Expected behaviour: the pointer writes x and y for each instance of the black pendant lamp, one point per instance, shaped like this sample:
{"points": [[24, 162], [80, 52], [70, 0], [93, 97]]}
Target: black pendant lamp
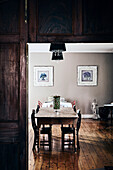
{"points": [[57, 49]]}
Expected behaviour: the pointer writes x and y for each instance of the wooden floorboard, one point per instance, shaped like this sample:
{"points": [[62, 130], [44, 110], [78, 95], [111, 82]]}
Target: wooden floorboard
{"points": [[96, 149]]}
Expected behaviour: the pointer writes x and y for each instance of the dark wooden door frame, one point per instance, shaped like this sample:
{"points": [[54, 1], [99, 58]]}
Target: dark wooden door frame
{"points": [[13, 42]]}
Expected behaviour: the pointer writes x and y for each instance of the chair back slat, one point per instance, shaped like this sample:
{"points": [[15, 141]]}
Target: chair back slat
{"points": [[74, 108], [37, 109], [79, 121], [33, 119]]}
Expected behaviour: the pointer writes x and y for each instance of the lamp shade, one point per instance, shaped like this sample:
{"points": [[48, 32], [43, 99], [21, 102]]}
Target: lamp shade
{"points": [[55, 47]]}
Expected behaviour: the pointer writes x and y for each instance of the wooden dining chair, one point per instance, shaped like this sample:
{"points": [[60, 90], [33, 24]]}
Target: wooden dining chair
{"points": [[36, 131], [78, 127], [71, 130], [43, 130]]}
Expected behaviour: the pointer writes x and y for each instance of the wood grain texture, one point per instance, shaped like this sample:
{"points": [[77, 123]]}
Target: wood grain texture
{"points": [[77, 17], [96, 149], [9, 84], [70, 21], [22, 91], [9, 132], [54, 17], [10, 153], [9, 16], [12, 85], [32, 18], [9, 38], [78, 38]]}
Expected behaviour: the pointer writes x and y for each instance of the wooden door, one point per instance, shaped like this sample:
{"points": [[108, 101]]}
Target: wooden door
{"points": [[12, 86], [70, 21]]}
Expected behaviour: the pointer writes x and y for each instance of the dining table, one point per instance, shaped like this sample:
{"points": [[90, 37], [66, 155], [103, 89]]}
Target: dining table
{"points": [[49, 116]]}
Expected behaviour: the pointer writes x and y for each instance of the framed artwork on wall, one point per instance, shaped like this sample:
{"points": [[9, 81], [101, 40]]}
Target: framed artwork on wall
{"points": [[87, 75], [43, 75]]}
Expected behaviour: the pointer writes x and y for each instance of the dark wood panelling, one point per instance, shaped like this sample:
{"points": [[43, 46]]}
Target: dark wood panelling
{"points": [[9, 132], [9, 85], [9, 38], [13, 150], [32, 20], [76, 39], [54, 17], [10, 153], [77, 17], [9, 16], [22, 91], [98, 16], [70, 21], [22, 115]]}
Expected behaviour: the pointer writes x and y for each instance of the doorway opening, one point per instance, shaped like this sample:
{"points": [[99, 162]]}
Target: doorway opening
{"points": [[65, 72]]}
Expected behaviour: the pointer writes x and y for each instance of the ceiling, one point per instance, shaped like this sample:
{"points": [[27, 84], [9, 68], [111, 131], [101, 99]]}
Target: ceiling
{"points": [[74, 47]]}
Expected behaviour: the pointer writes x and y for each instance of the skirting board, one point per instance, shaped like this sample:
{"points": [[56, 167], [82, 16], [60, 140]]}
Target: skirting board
{"points": [[87, 116]]}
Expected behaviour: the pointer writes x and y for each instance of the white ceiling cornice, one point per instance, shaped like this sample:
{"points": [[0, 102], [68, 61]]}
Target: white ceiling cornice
{"points": [[73, 47]]}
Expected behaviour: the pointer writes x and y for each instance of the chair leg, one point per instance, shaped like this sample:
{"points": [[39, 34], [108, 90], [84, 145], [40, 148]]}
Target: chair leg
{"points": [[74, 141], [78, 146], [38, 142], [49, 141], [34, 143], [62, 141]]}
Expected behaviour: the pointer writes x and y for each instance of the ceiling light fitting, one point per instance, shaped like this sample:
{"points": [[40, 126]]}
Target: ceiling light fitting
{"points": [[57, 50]]}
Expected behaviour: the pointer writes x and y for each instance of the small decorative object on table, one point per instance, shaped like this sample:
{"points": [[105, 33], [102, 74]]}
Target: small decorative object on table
{"points": [[94, 109], [56, 103]]}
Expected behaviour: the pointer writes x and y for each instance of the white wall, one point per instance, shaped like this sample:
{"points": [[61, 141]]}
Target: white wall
{"points": [[65, 79]]}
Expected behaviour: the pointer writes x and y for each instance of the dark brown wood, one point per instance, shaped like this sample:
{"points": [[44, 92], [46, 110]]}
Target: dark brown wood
{"points": [[44, 118], [76, 39], [54, 17], [9, 132], [22, 90], [78, 128], [9, 156], [65, 141], [87, 21], [38, 131], [77, 17], [96, 149], [32, 18], [12, 86], [97, 17], [9, 83], [10, 38], [9, 20]]}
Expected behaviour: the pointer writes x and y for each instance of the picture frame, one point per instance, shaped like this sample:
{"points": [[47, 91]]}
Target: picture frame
{"points": [[43, 75], [87, 75]]}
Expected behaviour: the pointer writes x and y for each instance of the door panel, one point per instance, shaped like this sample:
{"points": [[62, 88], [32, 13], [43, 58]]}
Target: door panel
{"points": [[9, 16], [13, 150], [9, 83], [10, 152]]}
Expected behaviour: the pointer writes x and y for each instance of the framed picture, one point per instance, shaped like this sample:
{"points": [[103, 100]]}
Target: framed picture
{"points": [[87, 75], [43, 76]]}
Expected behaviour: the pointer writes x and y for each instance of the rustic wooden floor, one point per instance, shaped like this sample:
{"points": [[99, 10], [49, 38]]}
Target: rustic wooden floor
{"points": [[96, 149]]}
